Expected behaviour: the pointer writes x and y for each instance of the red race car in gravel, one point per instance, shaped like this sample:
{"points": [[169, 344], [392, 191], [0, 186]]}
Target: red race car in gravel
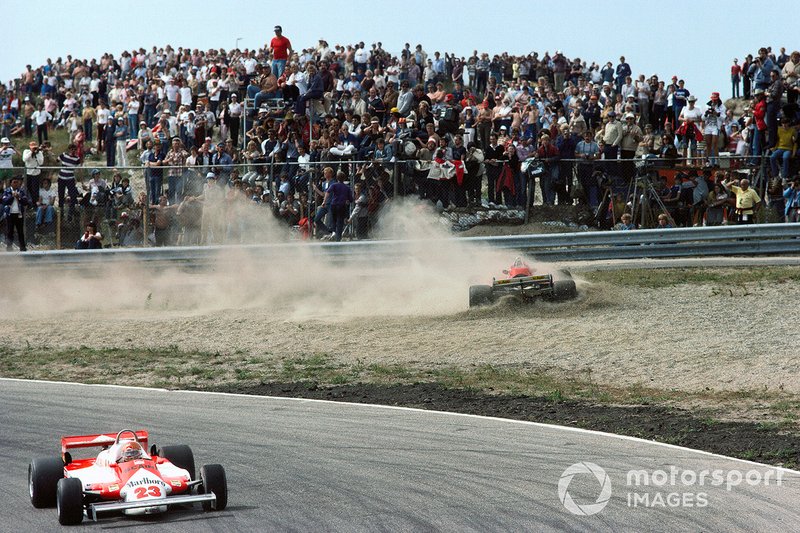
{"points": [[525, 283], [122, 478]]}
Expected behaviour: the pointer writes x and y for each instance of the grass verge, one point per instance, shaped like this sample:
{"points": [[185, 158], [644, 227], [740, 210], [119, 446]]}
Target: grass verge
{"points": [[712, 420]]}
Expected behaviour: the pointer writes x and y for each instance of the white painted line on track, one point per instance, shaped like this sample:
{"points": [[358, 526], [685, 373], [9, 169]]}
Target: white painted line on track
{"points": [[418, 410]]}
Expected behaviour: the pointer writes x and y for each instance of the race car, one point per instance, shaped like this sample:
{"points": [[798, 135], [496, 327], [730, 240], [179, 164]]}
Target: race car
{"points": [[525, 283], [123, 477]]}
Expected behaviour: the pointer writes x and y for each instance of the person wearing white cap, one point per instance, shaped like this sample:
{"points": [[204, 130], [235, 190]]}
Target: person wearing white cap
{"points": [[690, 119], [6, 153], [631, 137]]}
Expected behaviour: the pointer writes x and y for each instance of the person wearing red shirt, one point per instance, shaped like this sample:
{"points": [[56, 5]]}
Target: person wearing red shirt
{"points": [[281, 49], [760, 130], [736, 75]]}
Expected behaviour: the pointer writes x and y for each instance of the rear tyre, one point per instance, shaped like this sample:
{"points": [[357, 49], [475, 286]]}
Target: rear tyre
{"points": [[43, 476], [180, 455], [213, 479], [564, 289], [69, 501], [480, 295]]}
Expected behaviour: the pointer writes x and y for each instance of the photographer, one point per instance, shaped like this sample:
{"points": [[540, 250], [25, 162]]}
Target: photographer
{"points": [[33, 157]]}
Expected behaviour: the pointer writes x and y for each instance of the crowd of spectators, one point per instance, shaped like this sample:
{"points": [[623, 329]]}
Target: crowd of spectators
{"points": [[453, 130]]}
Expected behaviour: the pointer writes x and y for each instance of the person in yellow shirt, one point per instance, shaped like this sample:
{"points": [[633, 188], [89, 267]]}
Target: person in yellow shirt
{"points": [[784, 148], [747, 201]]}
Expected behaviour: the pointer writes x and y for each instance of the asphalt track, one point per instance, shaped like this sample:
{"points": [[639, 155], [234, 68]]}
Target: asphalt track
{"points": [[304, 465]]}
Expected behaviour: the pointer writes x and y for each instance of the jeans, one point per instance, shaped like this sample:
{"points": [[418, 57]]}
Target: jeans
{"points": [[550, 175], [149, 115], [133, 126], [278, 66], [735, 87], [156, 183], [784, 156], [772, 123], [67, 185], [319, 219], [262, 97], [45, 215], [175, 184], [88, 129], [755, 147]]}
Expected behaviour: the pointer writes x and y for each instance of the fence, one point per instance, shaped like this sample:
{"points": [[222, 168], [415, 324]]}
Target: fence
{"points": [[246, 201]]}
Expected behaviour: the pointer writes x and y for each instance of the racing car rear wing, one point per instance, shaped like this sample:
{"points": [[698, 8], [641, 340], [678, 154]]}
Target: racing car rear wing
{"points": [[100, 439]]}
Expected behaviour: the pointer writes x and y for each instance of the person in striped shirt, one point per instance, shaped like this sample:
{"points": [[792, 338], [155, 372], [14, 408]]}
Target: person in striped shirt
{"points": [[66, 177]]}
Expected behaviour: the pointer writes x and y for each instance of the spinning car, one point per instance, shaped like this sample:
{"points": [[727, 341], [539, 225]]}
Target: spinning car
{"points": [[123, 477], [522, 282]]}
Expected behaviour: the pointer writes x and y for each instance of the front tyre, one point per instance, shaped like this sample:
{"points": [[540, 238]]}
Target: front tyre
{"points": [[180, 455], [213, 479], [69, 501], [43, 476]]}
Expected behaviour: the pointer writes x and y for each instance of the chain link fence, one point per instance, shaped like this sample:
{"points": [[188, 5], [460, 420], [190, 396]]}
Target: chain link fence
{"points": [[269, 199]]}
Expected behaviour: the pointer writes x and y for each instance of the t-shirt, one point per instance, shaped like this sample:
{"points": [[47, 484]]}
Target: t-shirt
{"points": [[340, 194], [5, 157], [680, 96], [68, 164], [745, 200], [280, 47], [47, 196]]}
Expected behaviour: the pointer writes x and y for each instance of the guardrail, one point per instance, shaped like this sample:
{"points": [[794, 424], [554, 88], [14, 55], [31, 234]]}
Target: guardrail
{"points": [[763, 239]]}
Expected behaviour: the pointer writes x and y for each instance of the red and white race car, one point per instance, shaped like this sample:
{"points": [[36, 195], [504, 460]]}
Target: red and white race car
{"points": [[123, 477], [525, 283]]}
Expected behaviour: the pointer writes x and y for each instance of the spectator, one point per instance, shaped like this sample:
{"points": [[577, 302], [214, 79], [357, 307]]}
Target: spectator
{"points": [[339, 196], [15, 200], [281, 48], [736, 76], [45, 210], [785, 147], [66, 177], [91, 238], [791, 196], [691, 119], [626, 222], [748, 202]]}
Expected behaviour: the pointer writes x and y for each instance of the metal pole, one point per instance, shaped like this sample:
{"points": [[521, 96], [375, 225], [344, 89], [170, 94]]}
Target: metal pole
{"points": [[396, 171]]}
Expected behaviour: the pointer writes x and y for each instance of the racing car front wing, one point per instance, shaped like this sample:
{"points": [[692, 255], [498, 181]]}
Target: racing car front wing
{"points": [[102, 507]]}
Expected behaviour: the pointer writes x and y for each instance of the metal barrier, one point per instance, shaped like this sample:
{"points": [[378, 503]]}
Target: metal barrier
{"points": [[747, 240]]}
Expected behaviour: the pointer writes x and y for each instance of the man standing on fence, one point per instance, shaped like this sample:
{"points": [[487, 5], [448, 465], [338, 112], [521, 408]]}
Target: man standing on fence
{"points": [[281, 50], [15, 200], [747, 201], [66, 178]]}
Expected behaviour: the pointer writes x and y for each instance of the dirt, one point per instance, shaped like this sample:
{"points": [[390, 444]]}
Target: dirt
{"points": [[674, 426], [411, 308]]}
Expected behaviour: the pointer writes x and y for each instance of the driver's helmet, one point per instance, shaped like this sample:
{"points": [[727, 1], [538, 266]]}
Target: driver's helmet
{"points": [[130, 451]]}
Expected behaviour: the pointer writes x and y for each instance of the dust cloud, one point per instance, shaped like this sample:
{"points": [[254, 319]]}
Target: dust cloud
{"points": [[426, 273]]}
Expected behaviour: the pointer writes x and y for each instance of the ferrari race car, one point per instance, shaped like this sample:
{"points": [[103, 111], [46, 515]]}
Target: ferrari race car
{"points": [[123, 477], [523, 282]]}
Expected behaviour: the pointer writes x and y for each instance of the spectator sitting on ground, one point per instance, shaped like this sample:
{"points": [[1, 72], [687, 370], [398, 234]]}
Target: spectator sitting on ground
{"points": [[91, 238]]}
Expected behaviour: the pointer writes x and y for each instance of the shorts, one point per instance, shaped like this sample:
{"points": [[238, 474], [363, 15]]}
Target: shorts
{"points": [[711, 130]]}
